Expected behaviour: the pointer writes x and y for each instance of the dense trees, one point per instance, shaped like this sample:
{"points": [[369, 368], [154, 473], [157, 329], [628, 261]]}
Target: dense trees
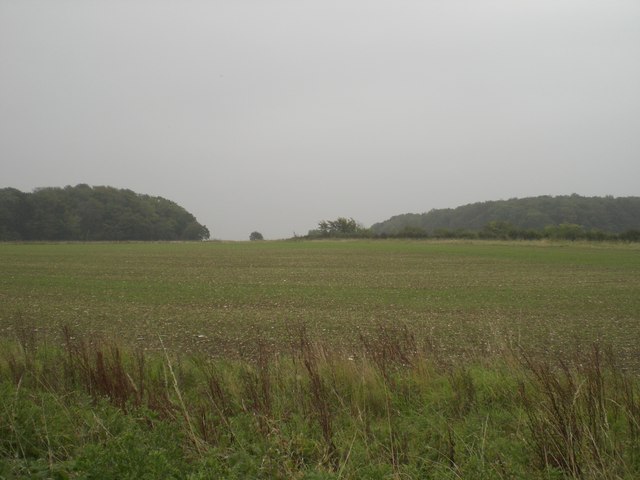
{"points": [[496, 230], [607, 214], [93, 213], [567, 217]]}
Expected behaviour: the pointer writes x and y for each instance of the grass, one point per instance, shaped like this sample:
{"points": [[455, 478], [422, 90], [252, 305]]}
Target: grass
{"points": [[328, 359], [222, 297], [90, 410]]}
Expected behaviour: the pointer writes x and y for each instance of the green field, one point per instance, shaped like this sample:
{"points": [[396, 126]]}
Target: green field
{"points": [[222, 297], [320, 360]]}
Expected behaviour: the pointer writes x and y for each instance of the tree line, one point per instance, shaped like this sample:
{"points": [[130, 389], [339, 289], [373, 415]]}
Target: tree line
{"points": [[534, 214], [85, 213], [500, 230], [495, 230]]}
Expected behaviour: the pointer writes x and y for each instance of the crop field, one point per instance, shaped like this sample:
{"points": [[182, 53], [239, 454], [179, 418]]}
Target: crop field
{"points": [[225, 298], [320, 360]]}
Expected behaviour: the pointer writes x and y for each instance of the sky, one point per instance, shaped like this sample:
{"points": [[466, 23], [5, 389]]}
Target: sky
{"points": [[272, 115]]}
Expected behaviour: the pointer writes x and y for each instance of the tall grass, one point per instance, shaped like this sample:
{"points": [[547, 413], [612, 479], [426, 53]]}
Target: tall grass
{"points": [[583, 418], [392, 409]]}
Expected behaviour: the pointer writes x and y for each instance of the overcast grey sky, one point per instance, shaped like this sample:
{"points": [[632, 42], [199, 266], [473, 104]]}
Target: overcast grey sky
{"points": [[271, 115]]}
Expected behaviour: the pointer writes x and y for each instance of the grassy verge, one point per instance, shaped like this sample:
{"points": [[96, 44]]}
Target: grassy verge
{"points": [[390, 409]]}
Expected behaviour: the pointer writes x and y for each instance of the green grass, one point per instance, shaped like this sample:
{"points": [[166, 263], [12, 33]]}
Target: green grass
{"points": [[317, 360], [221, 297], [89, 411]]}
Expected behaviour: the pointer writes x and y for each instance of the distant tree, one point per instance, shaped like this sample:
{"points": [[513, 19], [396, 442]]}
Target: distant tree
{"points": [[195, 231], [340, 227], [565, 231], [255, 236], [498, 229]]}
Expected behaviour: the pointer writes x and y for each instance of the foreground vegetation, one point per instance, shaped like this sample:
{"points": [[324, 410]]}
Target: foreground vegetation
{"points": [[327, 359], [394, 410]]}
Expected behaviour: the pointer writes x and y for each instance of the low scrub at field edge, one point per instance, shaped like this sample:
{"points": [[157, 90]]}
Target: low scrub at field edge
{"points": [[393, 409]]}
